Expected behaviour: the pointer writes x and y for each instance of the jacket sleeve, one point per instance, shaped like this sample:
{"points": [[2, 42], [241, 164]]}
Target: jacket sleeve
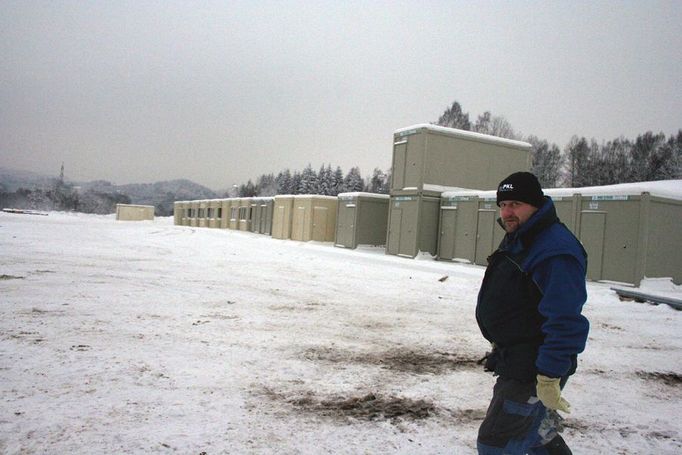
{"points": [[562, 282]]}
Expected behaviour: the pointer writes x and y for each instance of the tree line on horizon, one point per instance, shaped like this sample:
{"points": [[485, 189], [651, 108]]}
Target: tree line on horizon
{"points": [[584, 162], [325, 182]]}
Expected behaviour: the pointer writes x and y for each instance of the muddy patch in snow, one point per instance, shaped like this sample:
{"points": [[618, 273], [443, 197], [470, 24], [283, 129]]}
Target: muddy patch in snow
{"points": [[4, 277], [366, 406], [670, 379], [406, 361]]}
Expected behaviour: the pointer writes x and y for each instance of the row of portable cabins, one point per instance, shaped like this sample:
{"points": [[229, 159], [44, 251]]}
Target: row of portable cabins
{"points": [[630, 232], [244, 214], [348, 220]]}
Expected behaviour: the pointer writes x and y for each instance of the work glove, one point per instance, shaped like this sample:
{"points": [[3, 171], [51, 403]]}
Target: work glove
{"points": [[549, 392]]}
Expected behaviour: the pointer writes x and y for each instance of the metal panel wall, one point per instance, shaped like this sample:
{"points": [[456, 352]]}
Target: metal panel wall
{"points": [[663, 257], [459, 219], [281, 216], [449, 157]]}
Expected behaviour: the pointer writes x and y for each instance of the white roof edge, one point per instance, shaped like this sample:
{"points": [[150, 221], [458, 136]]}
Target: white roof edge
{"points": [[669, 189], [464, 134], [135, 205], [360, 193], [316, 196]]}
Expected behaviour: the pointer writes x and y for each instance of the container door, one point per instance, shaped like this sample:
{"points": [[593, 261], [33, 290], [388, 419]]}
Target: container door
{"points": [[345, 225], [592, 228], [394, 230], [267, 229], [298, 224], [485, 237], [278, 222], [408, 229], [399, 155], [320, 220], [448, 233]]}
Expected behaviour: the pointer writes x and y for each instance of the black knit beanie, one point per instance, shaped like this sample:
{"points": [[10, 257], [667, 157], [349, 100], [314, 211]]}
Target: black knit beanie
{"points": [[521, 186]]}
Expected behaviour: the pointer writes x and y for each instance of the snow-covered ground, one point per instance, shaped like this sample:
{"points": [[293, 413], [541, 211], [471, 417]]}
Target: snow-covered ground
{"points": [[144, 337]]}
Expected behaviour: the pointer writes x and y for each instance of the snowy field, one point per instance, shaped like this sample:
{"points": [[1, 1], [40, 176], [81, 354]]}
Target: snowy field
{"points": [[125, 337]]}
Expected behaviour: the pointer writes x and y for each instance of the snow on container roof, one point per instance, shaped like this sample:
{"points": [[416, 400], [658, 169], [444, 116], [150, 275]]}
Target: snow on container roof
{"points": [[316, 196], [464, 135], [670, 189], [443, 189], [135, 205], [360, 193]]}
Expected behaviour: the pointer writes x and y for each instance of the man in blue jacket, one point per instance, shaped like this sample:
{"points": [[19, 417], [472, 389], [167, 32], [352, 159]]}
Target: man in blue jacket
{"points": [[529, 307]]}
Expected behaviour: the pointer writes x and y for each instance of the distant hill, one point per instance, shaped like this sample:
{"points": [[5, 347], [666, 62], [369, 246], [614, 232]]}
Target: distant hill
{"points": [[160, 194], [13, 179]]}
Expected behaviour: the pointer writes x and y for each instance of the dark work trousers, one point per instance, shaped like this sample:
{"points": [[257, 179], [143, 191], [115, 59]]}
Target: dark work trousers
{"points": [[517, 423]]}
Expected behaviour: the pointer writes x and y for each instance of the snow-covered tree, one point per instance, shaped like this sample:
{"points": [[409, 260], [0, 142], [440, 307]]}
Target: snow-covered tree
{"points": [[337, 181], [353, 180], [308, 183], [546, 161], [577, 162], [324, 180], [454, 117], [266, 186], [283, 182], [295, 183], [378, 183]]}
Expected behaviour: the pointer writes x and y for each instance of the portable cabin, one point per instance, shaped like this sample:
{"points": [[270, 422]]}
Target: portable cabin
{"points": [[194, 213], [214, 213], [185, 213], [202, 217], [244, 214], [361, 219], [458, 225], [434, 155], [177, 213], [630, 231], [283, 207], [413, 223], [261, 215], [131, 212], [224, 213], [313, 218], [233, 221]]}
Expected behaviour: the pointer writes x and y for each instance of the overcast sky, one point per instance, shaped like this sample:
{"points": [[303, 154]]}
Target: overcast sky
{"points": [[223, 91]]}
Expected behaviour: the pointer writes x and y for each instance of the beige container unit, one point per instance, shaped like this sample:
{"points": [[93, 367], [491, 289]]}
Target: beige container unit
{"points": [[489, 233], [413, 223], [244, 214], [361, 219], [458, 226], [202, 216], [130, 212], [661, 238], [214, 213], [313, 218], [261, 215], [177, 213], [426, 156], [185, 213], [629, 237], [193, 213], [282, 212], [225, 213], [233, 215]]}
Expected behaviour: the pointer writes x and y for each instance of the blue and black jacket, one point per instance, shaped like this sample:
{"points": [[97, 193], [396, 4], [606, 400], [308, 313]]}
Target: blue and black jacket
{"points": [[531, 300]]}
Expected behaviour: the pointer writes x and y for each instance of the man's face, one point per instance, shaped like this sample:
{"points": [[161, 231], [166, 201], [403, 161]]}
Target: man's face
{"points": [[515, 213]]}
